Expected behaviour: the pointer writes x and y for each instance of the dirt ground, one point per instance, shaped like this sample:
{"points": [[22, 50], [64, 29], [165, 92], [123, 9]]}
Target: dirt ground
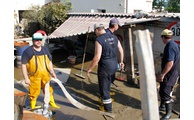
{"points": [[127, 100]]}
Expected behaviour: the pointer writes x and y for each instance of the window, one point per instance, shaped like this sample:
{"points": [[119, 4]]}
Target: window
{"points": [[101, 11]]}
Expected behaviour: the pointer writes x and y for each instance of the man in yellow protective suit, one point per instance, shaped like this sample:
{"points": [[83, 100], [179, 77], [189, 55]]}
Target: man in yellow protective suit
{"points": [[37, 69]]}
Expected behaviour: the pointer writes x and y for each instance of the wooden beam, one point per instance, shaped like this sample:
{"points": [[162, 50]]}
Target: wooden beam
{"points": [[129, 56], [132, 70]]}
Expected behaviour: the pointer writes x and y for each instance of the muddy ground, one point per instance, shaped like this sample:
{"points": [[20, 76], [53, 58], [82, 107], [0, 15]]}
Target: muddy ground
{"points": [[127, 100]]}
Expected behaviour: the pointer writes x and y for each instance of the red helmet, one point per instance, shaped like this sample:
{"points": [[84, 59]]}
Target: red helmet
{"points": [[42, 32]]}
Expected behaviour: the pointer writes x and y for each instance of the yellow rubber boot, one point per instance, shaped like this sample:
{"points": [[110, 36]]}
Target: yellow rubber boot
{"points": [[101, 107], [100, 101], [33, 105], [52, 102], [112, 93]]}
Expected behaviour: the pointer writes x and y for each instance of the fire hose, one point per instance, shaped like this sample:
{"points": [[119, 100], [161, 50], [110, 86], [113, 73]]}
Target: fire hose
{"points": [[71, 99]]}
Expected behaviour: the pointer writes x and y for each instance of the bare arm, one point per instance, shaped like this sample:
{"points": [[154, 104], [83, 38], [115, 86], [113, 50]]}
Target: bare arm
{"points": [[97, 56], [167, 68], [121, 53], [25, 74], [52, 70]]}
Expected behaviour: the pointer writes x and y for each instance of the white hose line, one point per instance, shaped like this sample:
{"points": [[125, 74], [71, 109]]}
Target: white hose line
{"points": [[71, 99], [47, 93]]}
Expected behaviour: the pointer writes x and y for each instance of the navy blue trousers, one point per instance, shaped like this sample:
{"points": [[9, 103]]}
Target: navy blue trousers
{"points": [[104, 82]]}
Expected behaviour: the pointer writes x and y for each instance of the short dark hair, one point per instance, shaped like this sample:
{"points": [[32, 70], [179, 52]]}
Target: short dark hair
{"points": [[111, 25]]}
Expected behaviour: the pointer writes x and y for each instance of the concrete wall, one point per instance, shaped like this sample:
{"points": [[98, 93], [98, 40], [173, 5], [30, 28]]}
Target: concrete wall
{"points": [[94, 5], [111, 6], [158, 45]]}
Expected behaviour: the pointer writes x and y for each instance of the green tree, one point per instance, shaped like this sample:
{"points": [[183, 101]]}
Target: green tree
{"points": [[47, 17], [32, 13], [173, 6], [159, 5], [167, 5], [53, 15], [31, 18]]}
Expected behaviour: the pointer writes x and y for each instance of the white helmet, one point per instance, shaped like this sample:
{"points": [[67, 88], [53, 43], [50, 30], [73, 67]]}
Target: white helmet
{"points": [[37, 36]]}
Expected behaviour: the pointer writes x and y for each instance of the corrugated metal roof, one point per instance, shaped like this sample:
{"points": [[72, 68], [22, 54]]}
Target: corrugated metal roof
{"points": [[78, 23], [127, 15], [167, 15]]}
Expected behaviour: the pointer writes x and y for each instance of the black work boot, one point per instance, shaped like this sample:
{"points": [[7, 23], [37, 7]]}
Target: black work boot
{"points": [[162, 106], [168, 111]]}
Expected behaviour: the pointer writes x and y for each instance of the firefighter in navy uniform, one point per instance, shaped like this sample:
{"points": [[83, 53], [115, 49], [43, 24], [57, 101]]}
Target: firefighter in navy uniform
{"points": [[169, 75], [113, 26], [37, 69], [106, 48]]}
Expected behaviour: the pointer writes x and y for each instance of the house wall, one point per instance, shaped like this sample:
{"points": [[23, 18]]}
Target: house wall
{"points": [[158, 45], [138, 5], [148, 5], [94, 5], [24, 5], [111, 6], [157, 27]]}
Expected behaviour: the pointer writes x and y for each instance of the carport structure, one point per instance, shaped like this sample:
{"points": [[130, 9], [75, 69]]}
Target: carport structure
{"points": [[78, 23]]}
